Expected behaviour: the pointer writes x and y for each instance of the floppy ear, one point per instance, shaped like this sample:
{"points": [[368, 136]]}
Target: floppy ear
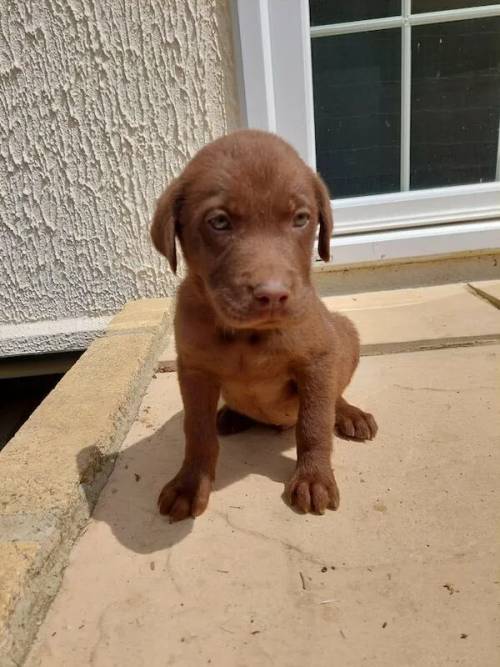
{"points": [[165, 220], [325, 218]]}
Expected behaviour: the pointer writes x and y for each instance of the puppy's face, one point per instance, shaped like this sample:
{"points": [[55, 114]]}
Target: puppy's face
{"points": [[246, 210]]}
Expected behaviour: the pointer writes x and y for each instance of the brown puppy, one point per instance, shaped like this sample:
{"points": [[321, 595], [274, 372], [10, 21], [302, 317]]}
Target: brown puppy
{"points": [[249, 325]]}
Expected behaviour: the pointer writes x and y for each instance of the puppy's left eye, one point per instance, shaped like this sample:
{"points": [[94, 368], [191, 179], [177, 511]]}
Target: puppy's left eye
{"points": [[301, 219]]}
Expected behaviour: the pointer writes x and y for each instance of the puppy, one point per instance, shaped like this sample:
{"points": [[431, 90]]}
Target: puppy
{"points": [[249, 326]]}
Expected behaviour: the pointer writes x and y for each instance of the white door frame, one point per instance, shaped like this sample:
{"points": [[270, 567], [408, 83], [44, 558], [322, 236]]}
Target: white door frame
{"points": [[275, 46]]}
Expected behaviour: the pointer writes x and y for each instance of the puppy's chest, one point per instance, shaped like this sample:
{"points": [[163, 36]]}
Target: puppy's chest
{"points": [[250, 360]]}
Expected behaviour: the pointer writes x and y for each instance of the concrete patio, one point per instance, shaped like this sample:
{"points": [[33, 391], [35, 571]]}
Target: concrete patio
{"points": [[406, 572]]}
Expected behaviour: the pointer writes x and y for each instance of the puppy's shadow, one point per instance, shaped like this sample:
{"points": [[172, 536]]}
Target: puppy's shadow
{"points": [[127, 502]]}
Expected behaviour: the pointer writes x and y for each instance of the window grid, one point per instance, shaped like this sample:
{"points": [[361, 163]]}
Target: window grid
{"points": [[405, 97], [405, 22]]}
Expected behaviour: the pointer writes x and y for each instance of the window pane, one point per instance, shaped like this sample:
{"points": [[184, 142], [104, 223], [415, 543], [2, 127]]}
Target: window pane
{"points": [[323, 12], [419, 6], [357, 97], [455, 102]]}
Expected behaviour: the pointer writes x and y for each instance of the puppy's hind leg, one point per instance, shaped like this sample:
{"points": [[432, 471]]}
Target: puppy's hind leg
{"points": [[352, 423], [230, 422]]}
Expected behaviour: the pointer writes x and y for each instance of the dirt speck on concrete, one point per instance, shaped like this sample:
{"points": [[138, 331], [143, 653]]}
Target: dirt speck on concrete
{"points": [[167, 367], [379, 506], [451, 589]]}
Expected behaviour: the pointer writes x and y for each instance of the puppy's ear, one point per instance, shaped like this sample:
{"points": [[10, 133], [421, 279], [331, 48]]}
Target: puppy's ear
{"points": [[165, 220], [325, 218]]}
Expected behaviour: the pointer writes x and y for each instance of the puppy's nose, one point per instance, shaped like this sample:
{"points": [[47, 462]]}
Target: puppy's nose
{"points": [[271, 294]]}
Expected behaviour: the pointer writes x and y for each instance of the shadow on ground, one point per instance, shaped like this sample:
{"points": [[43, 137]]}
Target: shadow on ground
{"points": [[128, 501]]}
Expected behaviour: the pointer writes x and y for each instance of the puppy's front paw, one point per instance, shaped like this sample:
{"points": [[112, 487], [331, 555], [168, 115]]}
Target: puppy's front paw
{"points": [[313, 490], [186, 494]]}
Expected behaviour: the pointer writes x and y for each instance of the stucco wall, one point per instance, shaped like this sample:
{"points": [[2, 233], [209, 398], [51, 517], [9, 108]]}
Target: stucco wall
{"points": [[100, 104]]}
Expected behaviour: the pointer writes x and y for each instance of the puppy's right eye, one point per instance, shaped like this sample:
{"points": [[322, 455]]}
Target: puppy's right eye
{"points": [[219, 222]]}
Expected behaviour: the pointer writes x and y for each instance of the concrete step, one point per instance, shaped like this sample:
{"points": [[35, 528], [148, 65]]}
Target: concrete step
{"points": [[404, 573]]}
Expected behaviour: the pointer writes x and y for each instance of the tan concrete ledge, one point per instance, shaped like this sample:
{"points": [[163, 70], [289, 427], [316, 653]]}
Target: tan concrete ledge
{"points": [[413, 320], [404, 574], [422, 318], [489, 290], [466, 267], [54, 468]]}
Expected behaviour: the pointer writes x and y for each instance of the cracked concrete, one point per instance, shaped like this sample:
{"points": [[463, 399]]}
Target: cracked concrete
{"points": [[404, 573]]}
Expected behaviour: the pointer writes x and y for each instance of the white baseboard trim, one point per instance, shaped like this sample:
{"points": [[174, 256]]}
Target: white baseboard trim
{"points": [[64, 335]]}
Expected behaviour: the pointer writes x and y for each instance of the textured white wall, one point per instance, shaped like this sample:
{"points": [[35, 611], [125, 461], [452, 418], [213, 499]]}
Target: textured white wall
{"points": [[101, 103]]}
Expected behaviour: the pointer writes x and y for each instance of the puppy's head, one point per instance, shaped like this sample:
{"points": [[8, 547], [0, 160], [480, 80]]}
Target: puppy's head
{"points": [[246, 210]]}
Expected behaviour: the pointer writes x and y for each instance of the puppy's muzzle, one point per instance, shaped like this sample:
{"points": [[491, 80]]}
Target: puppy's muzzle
{"points": [[270, 296]]}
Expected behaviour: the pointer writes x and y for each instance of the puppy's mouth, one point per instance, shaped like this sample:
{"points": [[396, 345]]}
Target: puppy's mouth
{"points": [[252, 320]]}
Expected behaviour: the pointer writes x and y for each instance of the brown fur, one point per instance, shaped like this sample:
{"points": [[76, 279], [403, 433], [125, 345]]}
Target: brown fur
{"points": [[249, 326]]}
